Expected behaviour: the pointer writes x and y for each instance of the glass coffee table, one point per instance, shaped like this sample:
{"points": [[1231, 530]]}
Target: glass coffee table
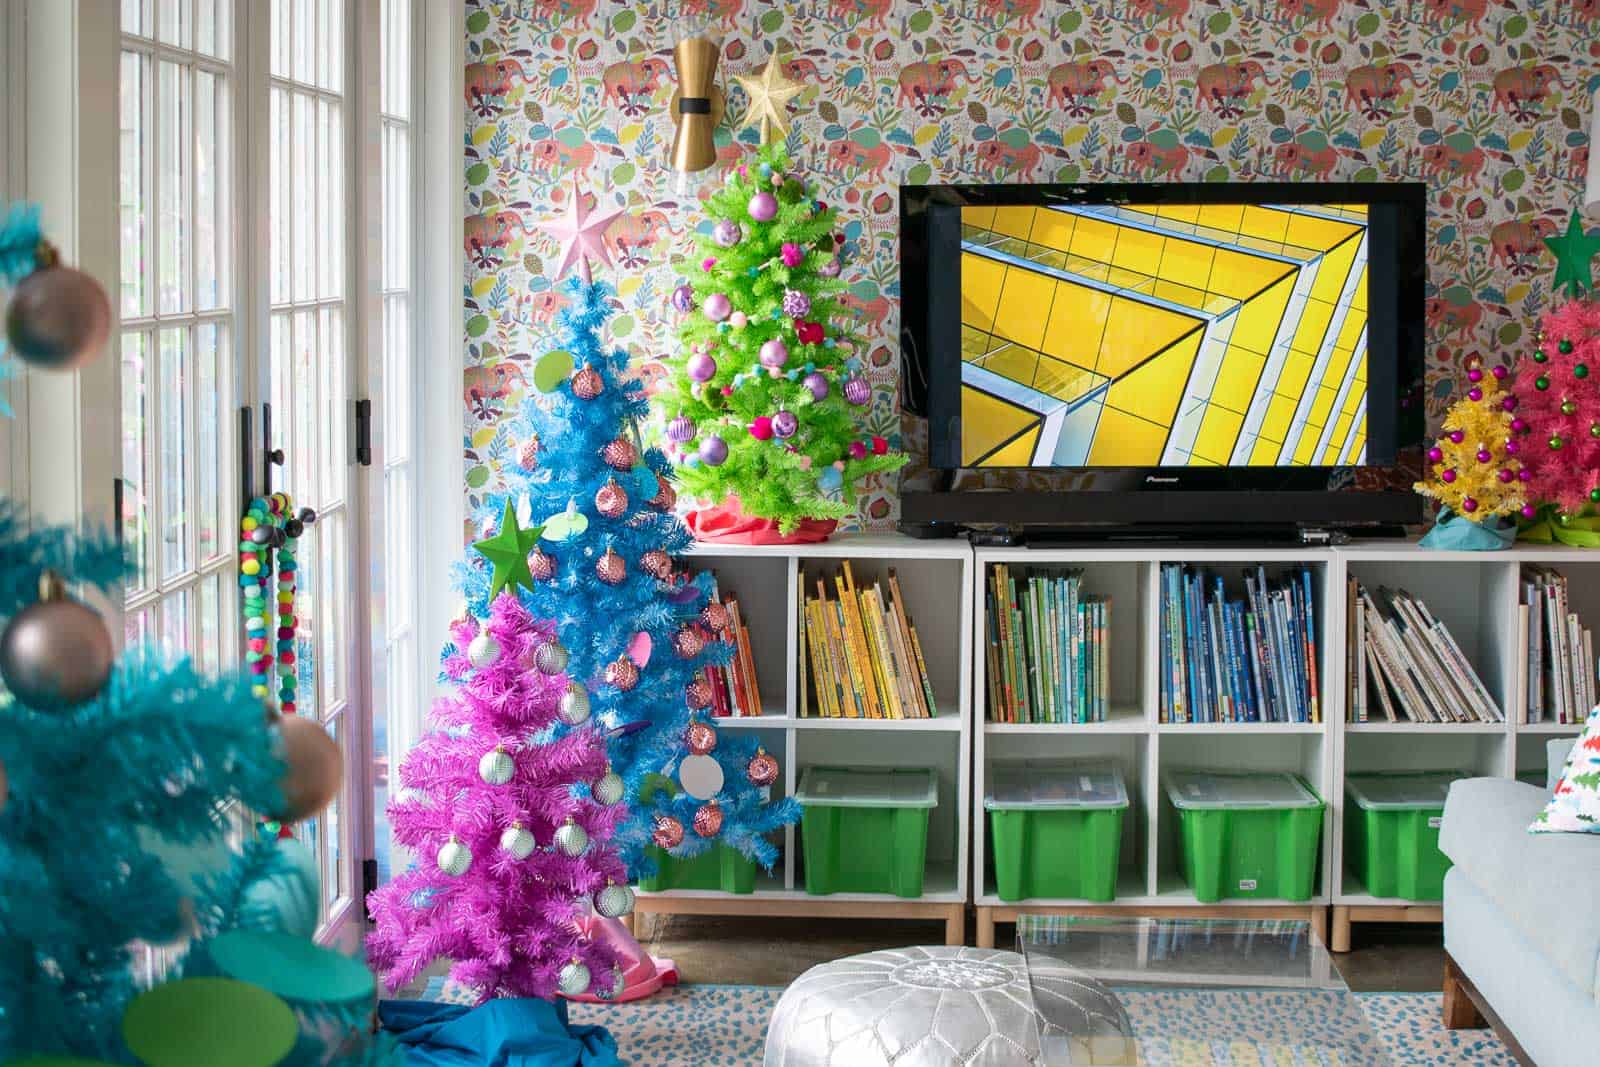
{"points": [[1158, 992]]}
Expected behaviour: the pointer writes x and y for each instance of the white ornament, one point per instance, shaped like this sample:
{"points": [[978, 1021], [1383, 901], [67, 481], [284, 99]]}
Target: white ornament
{"points": [[608, 789], [517, 841], [551, 657], [483, 650], [614, 901], [455, 858], [571, 838], [700, 776], [618, 984], [574, 978], [575, 704], [496, 767]]}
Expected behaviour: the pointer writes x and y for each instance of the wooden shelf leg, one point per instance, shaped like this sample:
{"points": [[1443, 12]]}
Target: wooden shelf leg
{"points": [[1318, 917], [955, 925], [985, 927], [1460, 1013], [627, 924], [1341, 928]]}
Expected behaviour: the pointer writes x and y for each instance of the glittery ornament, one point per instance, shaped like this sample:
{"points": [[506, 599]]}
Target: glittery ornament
{"points": [[697, 694], [717, 307], [657, 564], [1468, 504], [542, 565], [713, 451], [574, 978], [483, 650], [829, 268], [715, 616], [454, 858], [611, 568], [681, 430], [587, 383], [619, 985], [574, 708], [668, 832], [571, 839], [701, 367], [700, 738], [666, 497], [528, 455], [687, 643], [607, 789], [614, 901], [683, 299], [785, 424], [727, 233], [762, 770], [620, 454], [611, 500], [796, 304], [817, 384], [708, 819], [496, 767], [774, 353], [518, 841], [857, 391], [551, 658], [763, 207], [622, 673]]}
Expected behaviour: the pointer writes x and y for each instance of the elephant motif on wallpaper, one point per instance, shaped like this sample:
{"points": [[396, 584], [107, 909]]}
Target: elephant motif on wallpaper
{"points": [[1522, 90], [1075, 87], [631, 84], [1368, 87], [927, 85], [1225, 87], [490, 82], [1516, 244]]}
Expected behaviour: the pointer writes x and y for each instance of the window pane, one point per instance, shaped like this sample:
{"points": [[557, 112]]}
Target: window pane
{"points": [[304, 28], [280, 373], [172, 180], [175, 22], [395, 66], [213, 27], [175, 503], [136, 17], [398, 563], [135, 451], [309, 833], [213, 230], [302, 147], [278, 129], [131, 186], [307, 610], [138, 627], [330, 46], [396, 163], [331, 536], [330, 200], [300, 413], [175, 626], [333, 886], [209, 653], [211, 361], [333, 418], [282, 38], [396, 430]]}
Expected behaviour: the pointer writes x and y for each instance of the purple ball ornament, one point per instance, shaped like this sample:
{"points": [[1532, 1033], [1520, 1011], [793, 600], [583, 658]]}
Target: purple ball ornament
{"points": [[681, 430], [1468, 504], [683, 299], [1457, 436], [785, 423], [774, 353], [763, 207], [1529, 511], [701, 367], [1474, 394], [1447, 475], [1506, 475], [1484, 455], [829, 268], [817, 384], [1435, 454], [717, 307], [713, 451], [796, 304], [1512, 448], [727, 233], [1474, 375], [1499, 373], [857, 391]]}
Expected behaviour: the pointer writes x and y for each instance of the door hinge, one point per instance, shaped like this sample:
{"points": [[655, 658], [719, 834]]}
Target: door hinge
{"points": [[369, 883], [364, 432]]}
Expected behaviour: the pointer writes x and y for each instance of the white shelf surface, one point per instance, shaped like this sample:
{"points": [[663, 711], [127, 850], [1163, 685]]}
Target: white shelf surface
{"points": [[1121, 720], [1448, 728], [842, 546], [1242, 729], [1555, 729], [939, 886], [1130, 890]]}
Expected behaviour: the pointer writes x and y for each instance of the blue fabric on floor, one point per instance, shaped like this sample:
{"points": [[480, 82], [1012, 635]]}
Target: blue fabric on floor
{"points": [[501, 1033]]}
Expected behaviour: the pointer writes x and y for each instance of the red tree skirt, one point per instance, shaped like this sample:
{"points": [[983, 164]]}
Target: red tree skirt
{"points": [[726, 524]]}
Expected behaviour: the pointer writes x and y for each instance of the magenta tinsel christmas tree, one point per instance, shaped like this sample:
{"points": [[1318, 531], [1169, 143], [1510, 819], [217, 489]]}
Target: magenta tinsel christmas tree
{"points": [[1557, 407], [509, 814]]}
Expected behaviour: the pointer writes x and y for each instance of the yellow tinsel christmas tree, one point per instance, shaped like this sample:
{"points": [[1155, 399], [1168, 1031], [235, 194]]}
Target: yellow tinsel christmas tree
{"points": [[1476, 473]]}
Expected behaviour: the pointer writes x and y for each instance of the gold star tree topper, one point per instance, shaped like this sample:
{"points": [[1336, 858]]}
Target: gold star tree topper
{"points": [[769, 94]]}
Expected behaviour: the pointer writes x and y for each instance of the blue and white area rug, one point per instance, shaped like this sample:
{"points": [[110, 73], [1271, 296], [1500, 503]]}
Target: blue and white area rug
{"points": [[726, 1026]]}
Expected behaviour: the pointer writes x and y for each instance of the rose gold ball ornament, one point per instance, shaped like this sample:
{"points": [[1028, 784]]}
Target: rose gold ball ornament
{"points": [[56, 652], [657, 564], [620, 454], [697, 694], [623, 673], [668, 832], [541, 564], [714, 615], [587, 383], [666, 497], [611, 568], [59, 317], [687, 642], [708, 819], [700, 738], [611, 500], [313, 768], [762, 770], [528, 454]]}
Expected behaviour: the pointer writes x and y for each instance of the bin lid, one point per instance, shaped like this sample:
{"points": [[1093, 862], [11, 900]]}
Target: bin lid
{"points": [[1408, 791], [1209, 790], [848, 787], [1060, 785]]}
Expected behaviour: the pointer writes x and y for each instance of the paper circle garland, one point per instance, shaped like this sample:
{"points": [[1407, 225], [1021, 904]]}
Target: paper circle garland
{"points": [[587, 383], [620, 454], [727, 233], [574, 709], [687, 643], [574, 978], [681, 430], [763, 207], [683, 299], [551, 369], [708, 819], [454, 858], [701, 367], [713, 451], [657, 564], [58, 318], [551, 657], [56, 652], [857, 391], [614, 901], [774, 353], [607, 789], [611, 500], [571, 839], [622, 673], [611, 568], [313, 768], [668, 832], [700, 776], [541, 565], [518, 841], [762, 770], [700, 738], [717, 307], [785, 424], [496, 767], [483, 650]]}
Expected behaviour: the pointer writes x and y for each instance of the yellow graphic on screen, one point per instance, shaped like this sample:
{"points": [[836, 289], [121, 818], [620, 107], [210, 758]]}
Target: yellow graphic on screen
{"points": [[1195, 335]]}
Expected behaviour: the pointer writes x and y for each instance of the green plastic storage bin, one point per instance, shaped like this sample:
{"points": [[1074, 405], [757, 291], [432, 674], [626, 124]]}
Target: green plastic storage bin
{"points": [[1391, 836], [865, 831], [1056, 828], [1245, 836], [721, 868]]}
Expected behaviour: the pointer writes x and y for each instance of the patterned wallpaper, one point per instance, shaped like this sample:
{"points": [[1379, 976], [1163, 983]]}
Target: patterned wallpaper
{"points": [[1486, 100]]}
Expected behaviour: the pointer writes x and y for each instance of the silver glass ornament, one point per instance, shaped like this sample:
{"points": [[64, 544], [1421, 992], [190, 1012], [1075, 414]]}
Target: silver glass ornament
{"points": [[454, 858], [574, 704], [614, 901], [551, 657], [55, 652], [607, 789], [571, 838], [496, 767], [483, 650], [518, 841], [619, 982], [574, 978]]}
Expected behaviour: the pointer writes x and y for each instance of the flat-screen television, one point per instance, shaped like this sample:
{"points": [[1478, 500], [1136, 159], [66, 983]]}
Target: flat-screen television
{"points": [[1176, 352]]}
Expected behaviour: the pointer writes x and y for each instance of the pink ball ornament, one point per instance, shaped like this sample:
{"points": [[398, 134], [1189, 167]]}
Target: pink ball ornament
{"points": [[708, 819], [717, 307], [1529, 511], [1474, 394], [763, 207], [1524, 475], [1512, 448], [1468, 504], [857, 391], [668, 832], [701, 367], [774, 353], [738, 320], [785, 423], [817, 384], [761, 428], [1518, 425], [1474, 375], [727, 233], [1447, 476], [713, 451], [1457, 436], [1435, 454], [796, 304], [1508, 403], [683, 299], [681, 430], [857, 450], [1484, 455], [1506, 475], [1499, 373], [829, 268], [762, 770]]}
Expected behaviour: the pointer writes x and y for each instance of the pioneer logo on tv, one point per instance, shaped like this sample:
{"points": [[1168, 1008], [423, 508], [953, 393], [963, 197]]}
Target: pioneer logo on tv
{"points": [[1151, 479]]}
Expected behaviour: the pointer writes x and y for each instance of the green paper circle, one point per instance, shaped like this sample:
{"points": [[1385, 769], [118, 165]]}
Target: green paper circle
{"points": [[204, 1022], [294, 968], [552, 369]]}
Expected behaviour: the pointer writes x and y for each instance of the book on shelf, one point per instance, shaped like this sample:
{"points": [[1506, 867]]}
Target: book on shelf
{"points": [[735, 690], [1415, 670], [1557, 650], [1237, 659], [863, 655], [1047, 653]]}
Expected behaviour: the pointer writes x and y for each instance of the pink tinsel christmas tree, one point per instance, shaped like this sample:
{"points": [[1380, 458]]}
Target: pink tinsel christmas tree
{"points": [[509, 820], [1557, 408]]}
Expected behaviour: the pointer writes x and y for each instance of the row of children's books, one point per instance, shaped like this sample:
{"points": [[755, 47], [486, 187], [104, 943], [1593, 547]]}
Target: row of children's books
{"points": [[1405, 664], [1557, 650], [1238, 660], [734, 688], [865, 655], [1048, 653]]}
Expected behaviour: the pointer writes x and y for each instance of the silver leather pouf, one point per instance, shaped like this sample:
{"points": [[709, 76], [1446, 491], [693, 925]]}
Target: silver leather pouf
{"points": [[921, 1007]]}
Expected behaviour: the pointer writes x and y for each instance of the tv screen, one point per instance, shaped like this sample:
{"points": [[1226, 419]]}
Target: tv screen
{"points": [[1165, 327]]}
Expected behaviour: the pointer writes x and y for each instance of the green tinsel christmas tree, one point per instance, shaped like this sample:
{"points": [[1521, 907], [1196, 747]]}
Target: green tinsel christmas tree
{"points": [[764, 396]]}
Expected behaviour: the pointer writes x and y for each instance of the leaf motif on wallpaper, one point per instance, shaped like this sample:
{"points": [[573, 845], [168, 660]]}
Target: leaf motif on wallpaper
{"points": [[1570, 119], [827, 112], [1127, 115], [1422, 115], [1276, 116], [977, 112]]}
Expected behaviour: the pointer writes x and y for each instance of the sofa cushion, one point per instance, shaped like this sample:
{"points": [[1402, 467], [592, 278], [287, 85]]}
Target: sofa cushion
{"points": [[1546, 885], [1574, 807], [1556, 751]]}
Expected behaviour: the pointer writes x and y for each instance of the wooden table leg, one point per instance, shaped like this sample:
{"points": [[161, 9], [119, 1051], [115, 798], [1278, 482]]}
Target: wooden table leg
{"points": [[1341, 928], [1460, 1013], [955, 925], [985, 927]]}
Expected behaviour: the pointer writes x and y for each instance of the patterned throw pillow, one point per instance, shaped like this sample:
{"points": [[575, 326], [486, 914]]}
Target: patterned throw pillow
{"points": [[1575, 806]]}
